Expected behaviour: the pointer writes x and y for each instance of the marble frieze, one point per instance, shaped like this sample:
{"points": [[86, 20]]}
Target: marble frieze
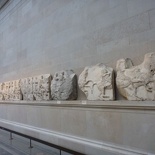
{"points": [[97, 82], [30, 88], [10, 90], [136, 82], [41, 87], [64, 85], [27, 88], [36, 88]]}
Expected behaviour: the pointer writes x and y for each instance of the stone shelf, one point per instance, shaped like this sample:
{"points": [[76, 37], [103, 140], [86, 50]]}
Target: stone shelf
{"points": [[120, 104]]}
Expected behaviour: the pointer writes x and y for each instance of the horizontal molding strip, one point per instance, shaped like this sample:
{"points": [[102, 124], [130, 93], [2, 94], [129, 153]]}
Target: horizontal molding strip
{"points": [[126, 105], [72, 139]]}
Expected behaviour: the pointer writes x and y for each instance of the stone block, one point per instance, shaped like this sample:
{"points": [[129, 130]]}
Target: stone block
{"points": [[15, 90], [1, 91], [64, 85], [10, 90], [6, 90], [136, 82], [97, 82], [27, 89], [36, 88], [41, 87]]}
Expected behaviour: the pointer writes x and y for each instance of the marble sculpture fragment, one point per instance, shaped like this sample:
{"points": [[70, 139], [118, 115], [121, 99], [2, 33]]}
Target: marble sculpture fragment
{"points": [[27, 89], [41, 87], [1, 91], [6, 91], [136, 82], [36, 88], [10, 90], [97, 82], [15, 90], [64, 85]]}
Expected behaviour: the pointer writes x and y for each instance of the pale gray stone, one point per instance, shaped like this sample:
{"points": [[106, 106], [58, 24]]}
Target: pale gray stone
{"points": [[27, 89], [1, 91], [10, 90], [6, 90], [64, 85], [36, 88], [137, 82], [41, 87], [97, 82], [15, 90]]}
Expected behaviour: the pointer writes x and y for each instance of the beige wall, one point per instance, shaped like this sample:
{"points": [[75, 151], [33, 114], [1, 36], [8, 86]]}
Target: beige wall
{"points": [[45, 36], [120, 128]]}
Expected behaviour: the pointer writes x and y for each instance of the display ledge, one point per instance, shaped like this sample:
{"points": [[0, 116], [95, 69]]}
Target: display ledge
{"points": [[122, 104]]}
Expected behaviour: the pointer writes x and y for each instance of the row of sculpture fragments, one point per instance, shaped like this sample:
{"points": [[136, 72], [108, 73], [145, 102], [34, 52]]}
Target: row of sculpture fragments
{"points": [[97, 82]]}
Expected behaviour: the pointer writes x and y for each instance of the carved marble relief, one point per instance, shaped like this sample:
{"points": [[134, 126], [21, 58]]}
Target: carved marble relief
{"points": [[36, 88], [10, 90], [1, 91], [6, 91], [41, 87], [137, 82], [15, 90], [27, 88], [64, 85], [97, 82]]}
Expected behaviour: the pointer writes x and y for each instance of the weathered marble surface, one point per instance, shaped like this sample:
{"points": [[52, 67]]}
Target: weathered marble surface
{"points": [[15, 90], [10, 90], [64, 85], [6, 92], [1, 91], [97, 82], [27, 88], [137, 82], [41, 87], [36, 88]]}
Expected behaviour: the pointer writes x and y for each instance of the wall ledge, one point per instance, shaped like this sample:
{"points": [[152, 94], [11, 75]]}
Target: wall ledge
{"points": [[131, 105]]}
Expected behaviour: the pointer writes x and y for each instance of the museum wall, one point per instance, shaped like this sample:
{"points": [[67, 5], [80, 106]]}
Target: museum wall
{"points": [[45, 36]]}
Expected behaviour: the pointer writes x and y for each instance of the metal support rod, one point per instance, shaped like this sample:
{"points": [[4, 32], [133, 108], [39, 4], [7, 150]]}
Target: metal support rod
{"points": [[40, 141], [30, 145], [11, 136]]}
